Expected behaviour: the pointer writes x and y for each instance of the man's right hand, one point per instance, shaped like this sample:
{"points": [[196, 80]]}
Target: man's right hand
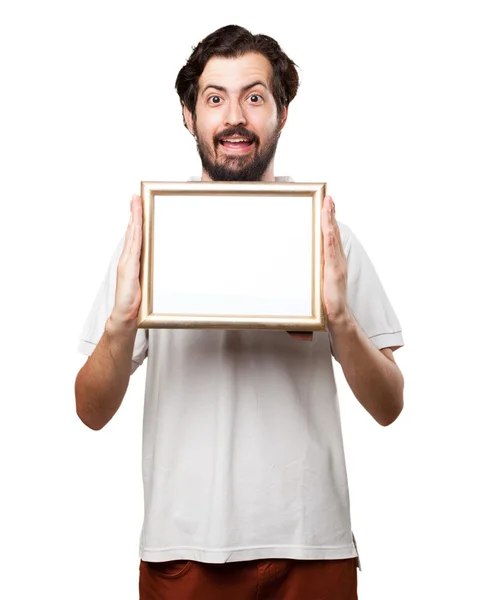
{"points": [[102, 382], [128, 291]]}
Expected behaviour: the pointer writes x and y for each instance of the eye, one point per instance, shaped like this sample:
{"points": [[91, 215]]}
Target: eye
{"points": [[256, 99], [214, 100]]}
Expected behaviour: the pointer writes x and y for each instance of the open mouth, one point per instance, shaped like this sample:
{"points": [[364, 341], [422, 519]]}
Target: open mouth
{"points": [[238, 144]]}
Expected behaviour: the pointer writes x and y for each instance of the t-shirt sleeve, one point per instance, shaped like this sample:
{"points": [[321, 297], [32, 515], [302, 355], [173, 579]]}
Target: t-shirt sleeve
{"points": [[367, 298], [101, 310]]}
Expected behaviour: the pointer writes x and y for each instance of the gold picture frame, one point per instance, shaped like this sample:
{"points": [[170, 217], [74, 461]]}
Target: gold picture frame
{"points": [[175, 215]]}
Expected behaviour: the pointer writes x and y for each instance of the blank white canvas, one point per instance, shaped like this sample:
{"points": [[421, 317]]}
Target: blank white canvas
{"points": [[224, 254]]}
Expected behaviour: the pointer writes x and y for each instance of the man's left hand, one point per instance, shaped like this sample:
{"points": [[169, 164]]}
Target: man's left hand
{"points": [[335, 268], [335, 271]]}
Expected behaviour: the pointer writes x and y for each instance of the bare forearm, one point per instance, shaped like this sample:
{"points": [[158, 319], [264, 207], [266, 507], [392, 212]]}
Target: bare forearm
{"points": [[102, 382], [375, 380]]}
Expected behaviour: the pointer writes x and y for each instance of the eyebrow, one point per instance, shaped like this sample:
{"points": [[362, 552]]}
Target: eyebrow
{"points": [[245, 88]]}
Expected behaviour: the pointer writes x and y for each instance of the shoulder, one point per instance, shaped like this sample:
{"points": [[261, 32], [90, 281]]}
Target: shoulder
{"points": [[355, 252], [348, 239]]}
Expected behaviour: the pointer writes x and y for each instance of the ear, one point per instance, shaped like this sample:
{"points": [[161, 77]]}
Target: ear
{"points": [[284, 117], [188, 117]]}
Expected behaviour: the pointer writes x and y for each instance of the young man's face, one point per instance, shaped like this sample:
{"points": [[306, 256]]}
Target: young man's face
{"points": [[237, 123]]}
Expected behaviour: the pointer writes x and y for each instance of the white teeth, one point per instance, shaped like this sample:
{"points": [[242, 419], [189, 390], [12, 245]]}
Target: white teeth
{"points": [[236, 140]]}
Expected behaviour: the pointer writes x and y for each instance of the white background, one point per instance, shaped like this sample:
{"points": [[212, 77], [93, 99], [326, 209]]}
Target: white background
{"points": [[387, 114]]}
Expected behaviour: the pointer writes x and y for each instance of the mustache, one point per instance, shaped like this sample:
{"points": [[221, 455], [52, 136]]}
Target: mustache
{"points": [[239, 131]]}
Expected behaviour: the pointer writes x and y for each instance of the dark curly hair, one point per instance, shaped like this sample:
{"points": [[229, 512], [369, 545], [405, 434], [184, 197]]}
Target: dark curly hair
{"points": [[230, 42]]}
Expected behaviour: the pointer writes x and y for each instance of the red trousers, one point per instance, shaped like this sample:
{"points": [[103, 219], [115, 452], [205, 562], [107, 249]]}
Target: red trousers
{"points": [[272, 579]]}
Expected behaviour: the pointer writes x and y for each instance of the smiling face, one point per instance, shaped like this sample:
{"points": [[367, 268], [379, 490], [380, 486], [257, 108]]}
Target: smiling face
{"points": [[237, 124]]}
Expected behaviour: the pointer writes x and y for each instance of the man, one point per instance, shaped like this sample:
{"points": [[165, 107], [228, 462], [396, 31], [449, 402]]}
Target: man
{"points": [[245, 483]]}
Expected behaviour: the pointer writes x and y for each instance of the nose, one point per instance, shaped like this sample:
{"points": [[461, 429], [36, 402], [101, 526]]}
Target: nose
{"points": [[234, 113]]}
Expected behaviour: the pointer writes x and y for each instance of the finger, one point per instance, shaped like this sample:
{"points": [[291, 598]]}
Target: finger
{"points": [[335, 226], [331, 245], [137, 208], [330, 211], [137, 237], [329, 233], [130, 231], [136, 228], [305, 336], [337, 233]]}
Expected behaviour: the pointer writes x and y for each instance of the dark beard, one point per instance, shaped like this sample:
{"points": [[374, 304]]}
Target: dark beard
{"points": [[238, 168]]}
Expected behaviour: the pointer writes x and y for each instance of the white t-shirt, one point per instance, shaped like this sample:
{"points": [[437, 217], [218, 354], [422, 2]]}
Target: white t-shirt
{"points": [[242, 446]]}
